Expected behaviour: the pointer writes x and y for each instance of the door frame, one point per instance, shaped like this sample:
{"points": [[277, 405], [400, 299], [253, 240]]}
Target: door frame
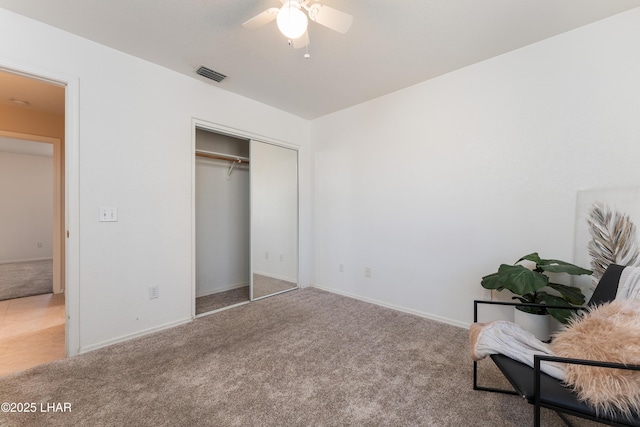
{"points": [[71, 215]]}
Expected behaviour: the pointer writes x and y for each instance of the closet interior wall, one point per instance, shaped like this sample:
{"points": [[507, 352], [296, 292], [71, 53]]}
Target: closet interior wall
{"points": [[222, 215]]}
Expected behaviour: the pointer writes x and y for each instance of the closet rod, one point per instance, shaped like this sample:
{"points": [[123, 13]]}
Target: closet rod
{"points": [[220, 156]]}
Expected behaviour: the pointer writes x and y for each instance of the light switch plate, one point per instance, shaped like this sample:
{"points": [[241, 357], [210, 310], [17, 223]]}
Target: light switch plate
{"points": [[108, 214]]}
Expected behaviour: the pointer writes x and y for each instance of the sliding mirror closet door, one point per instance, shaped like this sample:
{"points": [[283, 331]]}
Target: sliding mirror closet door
{"points": [[274, 219]]}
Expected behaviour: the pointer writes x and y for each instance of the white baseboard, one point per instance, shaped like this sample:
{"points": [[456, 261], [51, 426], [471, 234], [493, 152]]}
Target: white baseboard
{"points": [[26, 260], [123, 338], [397, 307]]}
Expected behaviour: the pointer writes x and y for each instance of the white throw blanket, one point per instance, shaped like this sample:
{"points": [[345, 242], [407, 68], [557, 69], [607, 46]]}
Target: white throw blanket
{"points": [[503, 337], [629, 285]]}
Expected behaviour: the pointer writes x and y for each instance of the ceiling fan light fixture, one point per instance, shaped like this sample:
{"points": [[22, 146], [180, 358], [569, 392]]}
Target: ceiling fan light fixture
{"points": [[291, 20]]}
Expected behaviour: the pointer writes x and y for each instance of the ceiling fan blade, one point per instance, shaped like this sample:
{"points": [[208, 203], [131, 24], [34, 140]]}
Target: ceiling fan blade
{"points": [[330, 17], [261, 19], [300, 42]]}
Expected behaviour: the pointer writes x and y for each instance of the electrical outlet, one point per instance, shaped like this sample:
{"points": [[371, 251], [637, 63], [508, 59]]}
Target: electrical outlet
{"points": [[486, 294], [154, 292], [367, 272], [341, 268]]}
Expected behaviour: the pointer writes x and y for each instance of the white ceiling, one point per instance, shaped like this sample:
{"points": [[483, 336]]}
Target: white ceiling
{"points": [[392, 44]]}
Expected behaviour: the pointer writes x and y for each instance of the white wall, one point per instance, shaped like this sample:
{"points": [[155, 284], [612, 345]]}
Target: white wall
{"points": [[222, 227], [434, 186], [135, 133], [26, 212]]}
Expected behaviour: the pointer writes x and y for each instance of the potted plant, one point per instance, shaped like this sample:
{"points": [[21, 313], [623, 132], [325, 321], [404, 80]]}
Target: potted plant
{"points": [[533, 285]]}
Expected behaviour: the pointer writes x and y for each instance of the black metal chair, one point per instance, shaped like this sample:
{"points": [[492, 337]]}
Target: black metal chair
{"points": [[544, 391]]}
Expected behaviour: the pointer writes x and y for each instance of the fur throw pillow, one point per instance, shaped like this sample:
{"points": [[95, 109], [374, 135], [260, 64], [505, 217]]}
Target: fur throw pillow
{"points": [[611, 333]]}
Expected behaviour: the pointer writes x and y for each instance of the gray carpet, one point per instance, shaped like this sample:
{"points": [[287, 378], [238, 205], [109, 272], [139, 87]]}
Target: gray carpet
{"points": [[23, 279], [223, 299], [302, 358], [265, 285]]}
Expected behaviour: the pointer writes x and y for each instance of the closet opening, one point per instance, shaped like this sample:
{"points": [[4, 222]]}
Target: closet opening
{"points": [[222, 218]]}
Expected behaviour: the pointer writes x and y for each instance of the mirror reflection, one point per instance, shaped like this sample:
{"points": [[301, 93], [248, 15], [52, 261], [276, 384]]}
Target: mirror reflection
{"points": [[274, 219]]}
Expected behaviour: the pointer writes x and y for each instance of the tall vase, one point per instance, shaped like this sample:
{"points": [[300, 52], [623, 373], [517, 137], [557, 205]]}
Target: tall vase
{"points": [[538, 324]]}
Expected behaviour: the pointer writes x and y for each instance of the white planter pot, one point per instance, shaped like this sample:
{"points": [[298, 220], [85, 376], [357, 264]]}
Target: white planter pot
{"points": [[538, 324]]}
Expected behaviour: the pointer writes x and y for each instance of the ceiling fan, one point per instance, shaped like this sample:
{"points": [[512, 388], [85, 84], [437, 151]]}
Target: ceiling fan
{"points": [[292, 20]]}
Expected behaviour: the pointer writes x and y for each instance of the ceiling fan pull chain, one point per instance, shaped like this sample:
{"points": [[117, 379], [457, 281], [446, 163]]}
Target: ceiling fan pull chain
{"points": [[306, 48]]}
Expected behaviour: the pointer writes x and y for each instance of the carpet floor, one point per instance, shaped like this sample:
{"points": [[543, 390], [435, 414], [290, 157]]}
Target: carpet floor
{"points": [[223, 299], [265, 285], [301, 358], [23, 279]]}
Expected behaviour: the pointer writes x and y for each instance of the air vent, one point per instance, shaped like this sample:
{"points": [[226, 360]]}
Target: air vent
{"points": [[210, 74]]}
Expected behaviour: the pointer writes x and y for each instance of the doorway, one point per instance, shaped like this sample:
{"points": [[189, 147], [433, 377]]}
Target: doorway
{"points": [[222, 217], [32, 254]]}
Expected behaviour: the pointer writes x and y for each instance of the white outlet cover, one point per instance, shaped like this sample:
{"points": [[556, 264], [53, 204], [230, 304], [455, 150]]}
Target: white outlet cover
{"points": [[154, 292]]}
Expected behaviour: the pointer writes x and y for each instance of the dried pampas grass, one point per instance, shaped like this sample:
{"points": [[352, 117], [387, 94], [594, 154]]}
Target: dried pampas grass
{"points": [[613, 239], [611, 333]]}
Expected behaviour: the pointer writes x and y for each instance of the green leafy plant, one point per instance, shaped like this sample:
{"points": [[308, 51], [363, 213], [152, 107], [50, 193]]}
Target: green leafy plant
{"points": [[533, 285]]}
